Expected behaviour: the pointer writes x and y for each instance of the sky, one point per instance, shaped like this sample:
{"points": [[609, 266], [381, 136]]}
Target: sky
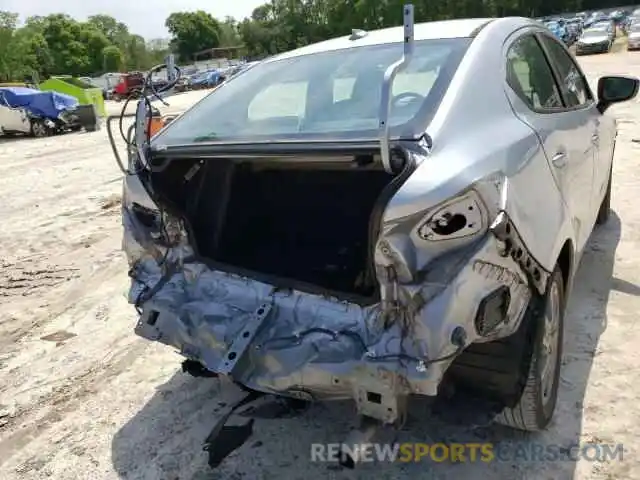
{"points": [[140, 16]]}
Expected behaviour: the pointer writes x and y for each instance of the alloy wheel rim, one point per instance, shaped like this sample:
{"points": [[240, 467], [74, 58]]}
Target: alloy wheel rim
{"points": [[549, 347], [38, 129]]}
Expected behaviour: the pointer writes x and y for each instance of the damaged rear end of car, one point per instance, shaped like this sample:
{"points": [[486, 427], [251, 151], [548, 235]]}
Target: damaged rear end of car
{"points": [[276, 279], [289, 266]]}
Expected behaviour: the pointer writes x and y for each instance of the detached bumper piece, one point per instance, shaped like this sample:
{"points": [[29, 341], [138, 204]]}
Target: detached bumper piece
{"points": [[225, 439]]}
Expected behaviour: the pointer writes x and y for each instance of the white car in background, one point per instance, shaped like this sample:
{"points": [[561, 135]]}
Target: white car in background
{"points": [[14, 120], [633, 42]]}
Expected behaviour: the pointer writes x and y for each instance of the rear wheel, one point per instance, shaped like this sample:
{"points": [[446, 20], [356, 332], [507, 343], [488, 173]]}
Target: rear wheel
{"points": [[39, 129], [536, 405]]}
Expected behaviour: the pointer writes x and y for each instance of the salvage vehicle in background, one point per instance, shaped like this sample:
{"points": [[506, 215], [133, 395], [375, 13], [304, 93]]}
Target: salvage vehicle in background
{"points": [[559, 29], [344, 222], [206, 79], [129, 84], [594, 40], [32, 112], [574, 30], [633, 41], [608, 26]]}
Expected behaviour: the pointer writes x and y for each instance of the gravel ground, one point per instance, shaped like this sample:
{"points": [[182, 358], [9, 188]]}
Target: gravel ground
{"points": [[82, 398]]}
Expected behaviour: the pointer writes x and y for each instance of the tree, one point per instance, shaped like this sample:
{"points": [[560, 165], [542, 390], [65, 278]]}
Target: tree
{"points": [[59, 44], [64, 37], [8, 23], [34, 54], [135, 50], [116, 32], [95, 42], [192, 32], [113, 59], [229, 34], [157, 50]]}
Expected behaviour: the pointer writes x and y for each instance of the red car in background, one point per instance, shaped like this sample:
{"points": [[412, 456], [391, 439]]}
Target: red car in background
{"points": [[132, 83]]}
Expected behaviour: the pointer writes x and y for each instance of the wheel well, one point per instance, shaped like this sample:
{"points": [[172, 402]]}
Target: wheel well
{"points": [[498, 370], [565, 262]]}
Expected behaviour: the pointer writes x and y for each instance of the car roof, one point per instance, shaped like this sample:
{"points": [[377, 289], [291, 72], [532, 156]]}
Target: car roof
{"points": [[459, 28]]}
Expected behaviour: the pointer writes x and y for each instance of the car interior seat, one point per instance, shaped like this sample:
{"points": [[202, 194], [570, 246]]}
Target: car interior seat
{"points": [[514, 81]]}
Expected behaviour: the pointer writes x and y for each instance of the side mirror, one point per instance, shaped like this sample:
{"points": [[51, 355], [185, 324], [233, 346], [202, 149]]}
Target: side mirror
{"points": [[615, 89]]}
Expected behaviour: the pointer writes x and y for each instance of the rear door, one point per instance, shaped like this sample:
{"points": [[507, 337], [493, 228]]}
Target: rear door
{"points": [[580, 99], [565, 129]]}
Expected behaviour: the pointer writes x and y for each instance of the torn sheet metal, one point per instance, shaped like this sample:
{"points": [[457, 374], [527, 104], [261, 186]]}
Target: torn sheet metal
{"points": [[316, 347]]}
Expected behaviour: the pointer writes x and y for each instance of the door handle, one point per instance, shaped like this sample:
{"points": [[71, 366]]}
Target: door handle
{"points": [[595, 138], [559, 160]]}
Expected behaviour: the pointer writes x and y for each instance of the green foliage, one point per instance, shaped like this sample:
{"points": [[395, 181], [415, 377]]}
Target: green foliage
{"points": [[58, 44], [284, 24], [113, 58], [193, 32]]}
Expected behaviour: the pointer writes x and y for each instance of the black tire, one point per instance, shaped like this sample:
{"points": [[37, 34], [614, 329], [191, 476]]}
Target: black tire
{"points": [[535, 408], [91, 128], [39, 129], [605, 206]]}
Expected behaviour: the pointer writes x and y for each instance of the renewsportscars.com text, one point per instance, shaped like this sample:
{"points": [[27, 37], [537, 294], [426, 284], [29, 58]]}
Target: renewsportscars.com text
{"points": [[466, 452]]}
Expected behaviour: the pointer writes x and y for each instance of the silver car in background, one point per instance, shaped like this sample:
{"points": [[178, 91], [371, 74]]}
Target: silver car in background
{"points": [[345, 222], [633, 34], [594, 40]]}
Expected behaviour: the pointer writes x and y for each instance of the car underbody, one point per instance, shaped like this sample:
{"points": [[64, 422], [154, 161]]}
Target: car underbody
{"points": [[285, 276]]}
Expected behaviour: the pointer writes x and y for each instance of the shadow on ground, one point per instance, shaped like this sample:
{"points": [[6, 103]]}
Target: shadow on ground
{"points": [[164, 439]]}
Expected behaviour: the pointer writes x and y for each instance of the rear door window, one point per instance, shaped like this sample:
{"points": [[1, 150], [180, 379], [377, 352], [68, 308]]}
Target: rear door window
{"points": [[530, 76], [575, 87]]}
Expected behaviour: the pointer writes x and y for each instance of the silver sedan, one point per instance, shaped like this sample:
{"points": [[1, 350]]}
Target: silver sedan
{"points": [[371, 216]]}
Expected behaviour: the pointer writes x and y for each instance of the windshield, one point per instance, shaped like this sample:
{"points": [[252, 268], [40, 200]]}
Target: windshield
{"points": [[553, 25], [328, 95]]}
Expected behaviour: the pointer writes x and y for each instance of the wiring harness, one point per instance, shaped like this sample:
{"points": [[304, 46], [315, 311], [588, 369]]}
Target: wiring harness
{"points": [[135, 164], [144, 95]]}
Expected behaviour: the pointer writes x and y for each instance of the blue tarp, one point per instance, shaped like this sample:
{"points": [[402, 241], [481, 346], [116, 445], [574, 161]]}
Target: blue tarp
{"points": [[206, 78], [41, 104]]}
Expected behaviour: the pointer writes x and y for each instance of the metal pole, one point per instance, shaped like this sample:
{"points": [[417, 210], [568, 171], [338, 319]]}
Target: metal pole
{"points": [[387, 85], [171, 67]]}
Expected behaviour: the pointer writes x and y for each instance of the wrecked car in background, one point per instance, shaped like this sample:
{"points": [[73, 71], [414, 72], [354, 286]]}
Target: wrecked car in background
{"points": [[29, 111], [365, 221]]}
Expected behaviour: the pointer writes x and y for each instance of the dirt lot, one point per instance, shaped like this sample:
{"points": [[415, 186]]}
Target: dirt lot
{"points": [[82, 398]]}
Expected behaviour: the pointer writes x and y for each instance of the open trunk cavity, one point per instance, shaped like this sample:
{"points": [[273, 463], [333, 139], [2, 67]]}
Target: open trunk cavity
{"points": [[305, 223]]}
